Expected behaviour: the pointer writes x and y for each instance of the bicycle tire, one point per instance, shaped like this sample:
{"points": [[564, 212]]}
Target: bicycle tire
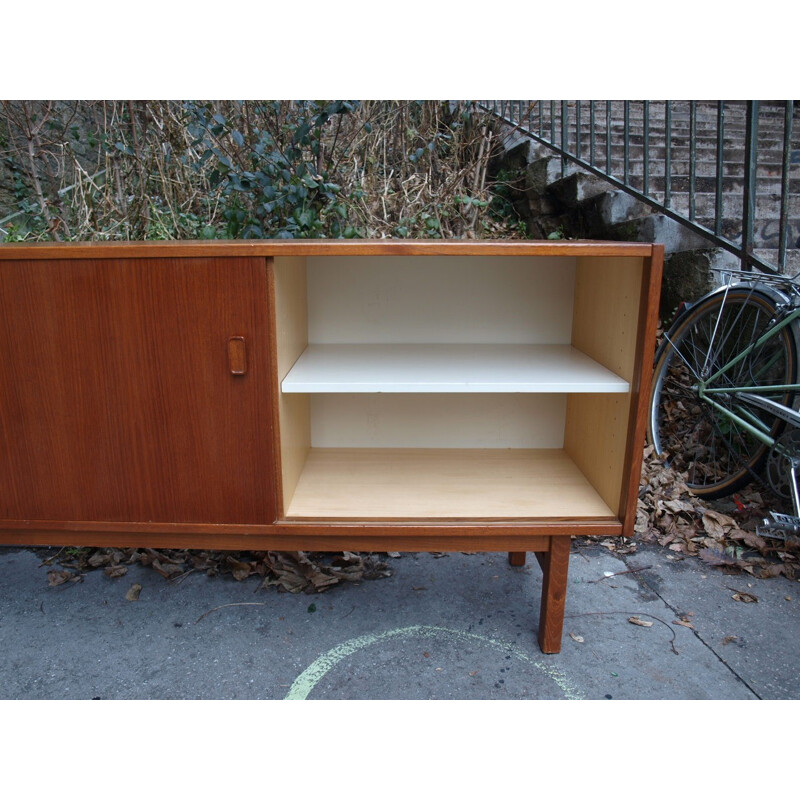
{"points": [[717, 456]]}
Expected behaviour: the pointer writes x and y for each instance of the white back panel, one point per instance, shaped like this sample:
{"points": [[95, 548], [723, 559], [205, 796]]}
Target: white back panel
{"points": [[440, 299], [438, 420]]}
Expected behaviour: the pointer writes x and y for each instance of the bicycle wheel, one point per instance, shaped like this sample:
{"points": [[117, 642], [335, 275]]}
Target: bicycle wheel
{"points": [[718, 455]]}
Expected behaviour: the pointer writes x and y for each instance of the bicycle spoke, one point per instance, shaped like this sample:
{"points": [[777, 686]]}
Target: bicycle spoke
{"points": [[704, 439]]}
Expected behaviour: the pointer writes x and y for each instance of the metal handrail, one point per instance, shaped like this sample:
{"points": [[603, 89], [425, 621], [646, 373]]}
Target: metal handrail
{"points": [[550, 123]]}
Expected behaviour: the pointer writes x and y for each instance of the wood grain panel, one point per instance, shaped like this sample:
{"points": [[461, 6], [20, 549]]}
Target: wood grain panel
{"points": [[408, 483], [117, 400], [640, 386], [605, 315], [606, 327], [322, 537], [265, 248], [289, 289], [555, 569]]}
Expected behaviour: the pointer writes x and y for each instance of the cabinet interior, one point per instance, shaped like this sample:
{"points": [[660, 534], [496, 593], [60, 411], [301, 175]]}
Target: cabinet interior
{"points": [[443, 403]]}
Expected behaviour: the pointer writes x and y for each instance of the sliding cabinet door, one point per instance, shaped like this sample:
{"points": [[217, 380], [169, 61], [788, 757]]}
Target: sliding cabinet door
{"points": [[135, 390]]}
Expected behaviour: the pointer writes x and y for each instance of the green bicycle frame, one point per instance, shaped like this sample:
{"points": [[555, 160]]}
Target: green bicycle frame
{"points": [[754, 426]]}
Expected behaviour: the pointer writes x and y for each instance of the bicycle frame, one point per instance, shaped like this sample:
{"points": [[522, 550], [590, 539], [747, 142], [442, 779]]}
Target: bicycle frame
{"points": [[749, 422], [744, 404]]}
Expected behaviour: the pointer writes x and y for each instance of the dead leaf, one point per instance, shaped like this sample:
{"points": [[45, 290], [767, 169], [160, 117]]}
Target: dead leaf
{"points": [[133, 593], [718, 525], [576, 638], [745, 597], [716, 558], [730, 639], [55, 577], [166, 570], [641, 622], [239, 569], [116, 572], [683, 621]]}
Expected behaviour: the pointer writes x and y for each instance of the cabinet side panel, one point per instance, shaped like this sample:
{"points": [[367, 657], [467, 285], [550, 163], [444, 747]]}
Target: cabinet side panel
{"points": [[119, 400], [291, 326], [595, 439], [606, 327]]}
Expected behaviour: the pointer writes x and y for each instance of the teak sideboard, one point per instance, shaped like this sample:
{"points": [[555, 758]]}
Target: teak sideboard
{"points": [[327, 395]]}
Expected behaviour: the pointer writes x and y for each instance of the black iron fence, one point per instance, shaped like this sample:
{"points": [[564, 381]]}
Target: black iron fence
{"points": [[720, 168]]}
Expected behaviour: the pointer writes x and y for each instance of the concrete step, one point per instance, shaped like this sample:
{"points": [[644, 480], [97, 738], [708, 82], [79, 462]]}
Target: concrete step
{"points": [[658, 152], [705, 112], [615, 209], [733, 185], [765, 234], [658, 228], [768, 129], [601, 211], [767, 207], [578, 187], [703, 141], [706, 169], [770, 255]]}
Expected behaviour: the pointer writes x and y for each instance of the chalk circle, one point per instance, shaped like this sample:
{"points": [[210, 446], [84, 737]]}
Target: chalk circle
{"points": [[311, 676]]}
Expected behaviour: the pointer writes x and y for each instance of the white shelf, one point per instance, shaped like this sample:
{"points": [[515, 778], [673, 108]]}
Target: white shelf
{"points": [[448, 368]]}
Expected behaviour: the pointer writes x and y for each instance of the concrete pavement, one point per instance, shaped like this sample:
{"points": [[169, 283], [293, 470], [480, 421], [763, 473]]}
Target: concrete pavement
{"points": [[459, 626]]}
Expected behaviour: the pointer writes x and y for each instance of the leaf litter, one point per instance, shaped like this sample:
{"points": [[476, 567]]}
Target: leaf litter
{"points": [[294, 572], [720, 533]]}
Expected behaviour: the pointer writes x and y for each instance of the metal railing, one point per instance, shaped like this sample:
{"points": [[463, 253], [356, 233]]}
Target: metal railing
{"points": [[720, 168]]}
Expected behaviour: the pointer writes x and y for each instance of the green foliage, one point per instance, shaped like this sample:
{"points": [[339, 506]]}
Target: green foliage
{"points": [[501, 205], [16, 234], [274, 183], [254, 169]]}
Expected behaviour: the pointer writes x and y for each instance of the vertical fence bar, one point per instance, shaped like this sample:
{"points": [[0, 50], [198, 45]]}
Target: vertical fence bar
{"points": [[578, 128], [646, 147], [692, 156], [540, 103], [749, 192], [787, 148], [591, 132], [719, 198], [667, 153], [626, 139], [564, 136], [552, 121], [608, 137]]}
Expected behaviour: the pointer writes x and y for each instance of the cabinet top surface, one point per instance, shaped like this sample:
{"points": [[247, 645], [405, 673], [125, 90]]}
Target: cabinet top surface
{"points": [[320, 247]]}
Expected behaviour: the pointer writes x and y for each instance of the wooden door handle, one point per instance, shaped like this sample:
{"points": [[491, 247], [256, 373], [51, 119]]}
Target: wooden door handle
{"points": [[237, 355]]}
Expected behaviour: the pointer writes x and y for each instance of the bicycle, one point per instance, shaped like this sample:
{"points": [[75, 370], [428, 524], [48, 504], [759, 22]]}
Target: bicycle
{"points": [[725, 390]]}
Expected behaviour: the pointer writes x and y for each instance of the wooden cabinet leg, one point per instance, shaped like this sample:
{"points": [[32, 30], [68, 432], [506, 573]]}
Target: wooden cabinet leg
{"points": [[517, 559], [555, 566]]}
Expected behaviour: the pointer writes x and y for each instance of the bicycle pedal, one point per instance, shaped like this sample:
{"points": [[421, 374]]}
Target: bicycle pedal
{"points": [[780, 526]]}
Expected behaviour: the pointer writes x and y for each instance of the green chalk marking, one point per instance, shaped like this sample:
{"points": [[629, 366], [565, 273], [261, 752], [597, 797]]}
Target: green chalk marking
{"points": [[310, 677]]}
